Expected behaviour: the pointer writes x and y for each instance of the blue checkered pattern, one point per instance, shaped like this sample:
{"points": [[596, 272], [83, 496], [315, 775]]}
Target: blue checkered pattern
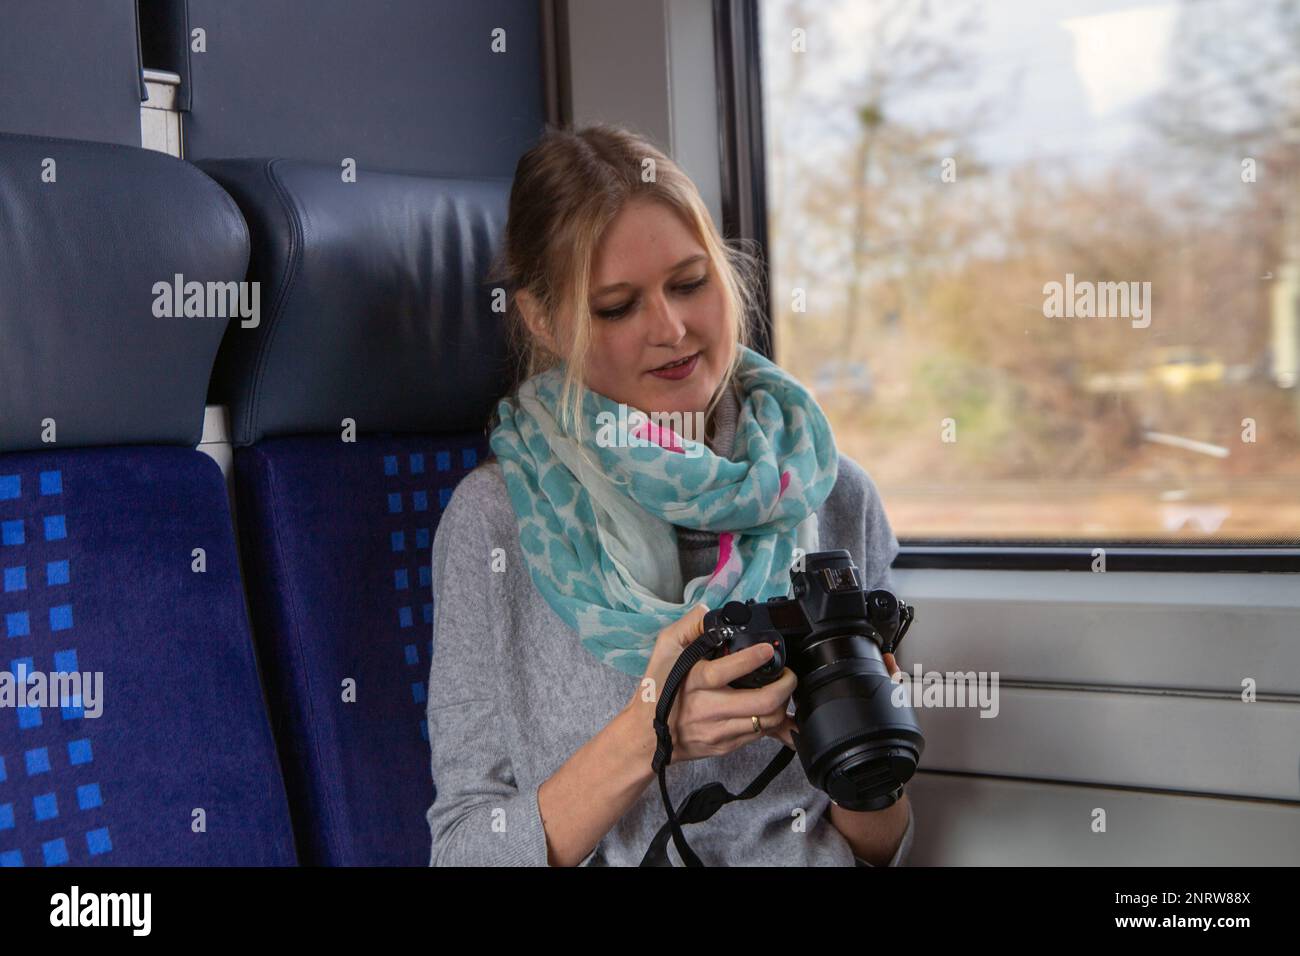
{"points": [[95, 576], [56, 755], [408, 507], [337, 553]]}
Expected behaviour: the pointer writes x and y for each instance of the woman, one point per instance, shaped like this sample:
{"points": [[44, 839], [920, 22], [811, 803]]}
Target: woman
{"points": [[570, 570]]}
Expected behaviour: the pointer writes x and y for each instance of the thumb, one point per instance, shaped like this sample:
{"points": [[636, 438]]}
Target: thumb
{"points": [[690, 626], [891, 665]]}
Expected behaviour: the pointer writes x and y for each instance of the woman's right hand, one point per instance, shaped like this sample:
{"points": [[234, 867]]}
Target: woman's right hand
{"points": [[710, 718]]}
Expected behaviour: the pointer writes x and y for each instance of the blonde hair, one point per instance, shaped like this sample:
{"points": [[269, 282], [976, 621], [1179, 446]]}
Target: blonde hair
{"points": [[567, 190]]}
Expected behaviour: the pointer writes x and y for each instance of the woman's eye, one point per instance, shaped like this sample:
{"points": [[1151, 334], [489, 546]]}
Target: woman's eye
{"points": [[614, 313], [688, 288]]}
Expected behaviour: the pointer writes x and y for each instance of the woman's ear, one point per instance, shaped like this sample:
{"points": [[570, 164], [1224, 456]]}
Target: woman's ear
{"points": [[534, 319]]}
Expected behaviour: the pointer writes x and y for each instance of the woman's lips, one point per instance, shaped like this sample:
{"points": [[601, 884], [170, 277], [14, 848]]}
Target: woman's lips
{"points": [[678, 371]]}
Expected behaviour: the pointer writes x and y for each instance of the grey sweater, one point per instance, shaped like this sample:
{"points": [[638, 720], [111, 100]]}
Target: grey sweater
{"points": [[512, 695]]}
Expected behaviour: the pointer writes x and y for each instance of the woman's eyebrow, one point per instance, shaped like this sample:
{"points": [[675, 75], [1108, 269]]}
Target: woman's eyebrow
{"points": [[618, 285]]}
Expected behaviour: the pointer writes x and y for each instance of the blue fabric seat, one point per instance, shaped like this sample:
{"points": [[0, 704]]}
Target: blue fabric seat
{"points": [[98, 577], [377, 318], [117, 551], [338, 553]]}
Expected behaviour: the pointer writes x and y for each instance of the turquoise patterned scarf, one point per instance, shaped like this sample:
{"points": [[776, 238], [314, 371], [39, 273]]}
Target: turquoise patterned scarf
{"points": [[596, 519]]}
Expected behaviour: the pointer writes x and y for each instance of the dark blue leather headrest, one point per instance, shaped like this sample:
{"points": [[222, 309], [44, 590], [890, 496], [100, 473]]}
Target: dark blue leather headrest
{"points": [[374, 304], [80, 342], [320, 80], [70, 68]]}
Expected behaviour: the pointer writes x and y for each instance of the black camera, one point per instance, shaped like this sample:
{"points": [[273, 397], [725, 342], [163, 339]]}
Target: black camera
{"points": [[854, 741]]}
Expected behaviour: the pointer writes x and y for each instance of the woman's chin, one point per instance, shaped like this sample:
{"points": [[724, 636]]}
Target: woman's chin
{"points": [[682, 401]]}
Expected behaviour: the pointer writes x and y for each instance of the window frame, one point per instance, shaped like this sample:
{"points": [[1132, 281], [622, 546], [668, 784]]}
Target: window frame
{"points": [[737, 41]]}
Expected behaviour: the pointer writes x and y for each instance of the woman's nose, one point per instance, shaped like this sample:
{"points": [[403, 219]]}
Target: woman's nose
{"points": [[666, 327]]}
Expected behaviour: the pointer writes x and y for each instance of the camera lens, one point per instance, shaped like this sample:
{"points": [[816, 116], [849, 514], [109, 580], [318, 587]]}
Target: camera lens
{"points": [[853, 740]]}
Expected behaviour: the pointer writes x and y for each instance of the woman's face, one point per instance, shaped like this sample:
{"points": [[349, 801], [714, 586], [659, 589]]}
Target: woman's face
{"points": [[655, 299]]}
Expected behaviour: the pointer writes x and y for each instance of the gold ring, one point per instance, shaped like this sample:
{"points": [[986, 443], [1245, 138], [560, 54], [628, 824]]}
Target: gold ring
{"points": [[758, 728]]}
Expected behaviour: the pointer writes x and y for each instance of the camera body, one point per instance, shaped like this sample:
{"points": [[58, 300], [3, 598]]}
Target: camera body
{"points": [[855, 740]]}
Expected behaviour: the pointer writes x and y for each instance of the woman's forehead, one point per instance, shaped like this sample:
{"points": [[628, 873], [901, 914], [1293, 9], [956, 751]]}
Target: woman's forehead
{"points": [[644, 241]]}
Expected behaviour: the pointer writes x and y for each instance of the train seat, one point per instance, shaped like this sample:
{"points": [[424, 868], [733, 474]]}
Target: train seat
{"points": [[117, 553], [357, 403]]}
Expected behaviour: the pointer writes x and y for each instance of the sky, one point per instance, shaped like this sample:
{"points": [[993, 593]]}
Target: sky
{"points": [[1068, 77]]}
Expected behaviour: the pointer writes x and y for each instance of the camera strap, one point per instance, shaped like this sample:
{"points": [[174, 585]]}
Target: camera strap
{"points": [[705, 801], [699, 806]]}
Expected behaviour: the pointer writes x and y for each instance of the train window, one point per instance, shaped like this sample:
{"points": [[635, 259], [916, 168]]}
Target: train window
{"points": [[1039, 260]]}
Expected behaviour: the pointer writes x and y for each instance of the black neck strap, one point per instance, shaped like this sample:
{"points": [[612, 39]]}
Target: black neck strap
{"points": [[709, 799]]}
